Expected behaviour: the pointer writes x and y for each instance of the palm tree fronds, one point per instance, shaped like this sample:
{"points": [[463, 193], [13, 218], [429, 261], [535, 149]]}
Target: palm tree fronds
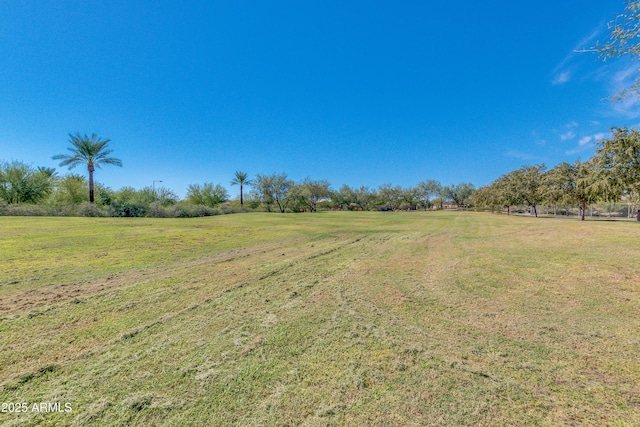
{"points": [[90, 151]]}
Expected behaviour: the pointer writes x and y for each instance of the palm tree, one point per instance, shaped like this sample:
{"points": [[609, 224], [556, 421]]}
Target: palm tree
{"points": [[89, 150], [241, 179]]}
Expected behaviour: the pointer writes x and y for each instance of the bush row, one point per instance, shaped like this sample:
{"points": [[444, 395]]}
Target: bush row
{"points": [[86, 209]]}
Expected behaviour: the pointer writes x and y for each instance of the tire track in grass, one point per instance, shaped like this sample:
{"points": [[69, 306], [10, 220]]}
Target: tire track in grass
{"points": [[308, 259], [123, 337], [105, 289], [59, 293]]}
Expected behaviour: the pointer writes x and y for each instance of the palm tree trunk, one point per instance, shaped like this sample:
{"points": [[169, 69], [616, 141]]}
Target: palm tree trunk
{"points": [[91, 170], [240, 194]]}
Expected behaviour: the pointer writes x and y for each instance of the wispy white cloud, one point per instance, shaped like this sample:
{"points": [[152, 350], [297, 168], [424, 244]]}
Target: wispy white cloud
{"points": [[561, 78], [565, 70], [585, 143], [587, 41], [615, 76], [574, 151], [629, 107], [569, 131], [621, 80], [538, 139], [520, 155], [623, 76], [568, 135], [585, 140]]}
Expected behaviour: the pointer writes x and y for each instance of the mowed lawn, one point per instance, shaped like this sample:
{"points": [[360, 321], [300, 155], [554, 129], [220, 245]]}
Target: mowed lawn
{"points": [[345, 318]]}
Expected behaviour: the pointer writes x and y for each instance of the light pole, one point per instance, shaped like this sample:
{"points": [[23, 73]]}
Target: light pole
{"points": [[154, 186]]}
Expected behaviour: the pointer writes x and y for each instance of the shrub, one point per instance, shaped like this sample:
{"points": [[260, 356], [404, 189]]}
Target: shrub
{"points": [[27, 209], [193, 211], [91, 210], [128, 210], [157, 210]]}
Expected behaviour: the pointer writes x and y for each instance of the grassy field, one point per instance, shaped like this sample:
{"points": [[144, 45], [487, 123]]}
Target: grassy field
{"points": [[320, 319]]}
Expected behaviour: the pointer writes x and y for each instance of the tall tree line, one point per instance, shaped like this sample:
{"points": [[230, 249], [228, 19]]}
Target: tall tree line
{"points": [[613, 173]]}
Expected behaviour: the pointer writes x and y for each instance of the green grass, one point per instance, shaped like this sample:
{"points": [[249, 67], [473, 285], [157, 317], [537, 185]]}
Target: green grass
{"points": [[321, 319]]}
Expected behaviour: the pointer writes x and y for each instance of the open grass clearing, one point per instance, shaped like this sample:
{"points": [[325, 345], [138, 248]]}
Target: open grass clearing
{"points": [[349, 318]]}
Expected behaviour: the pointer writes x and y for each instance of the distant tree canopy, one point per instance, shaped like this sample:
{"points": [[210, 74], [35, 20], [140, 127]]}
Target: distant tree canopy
{"points": [[274, 189], [390, 195], [354, 198], [427, 191], [71, 190], [311, 192], [460, 194], [617, 164], [207, 194], [21, 183], [570, 184], [612, 174]]}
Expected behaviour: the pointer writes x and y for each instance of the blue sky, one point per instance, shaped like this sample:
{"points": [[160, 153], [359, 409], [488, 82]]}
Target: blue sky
{"points": [[357, 92]]}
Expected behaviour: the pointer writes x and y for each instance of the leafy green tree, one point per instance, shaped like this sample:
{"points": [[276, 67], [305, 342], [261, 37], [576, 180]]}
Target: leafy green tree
{"points": [[512, 189], [354, 198], [428, 190], [145, 197], [460, 193], [527, 186], [274, 188], [163, 195], [207, 194], [48, 172], [554, 192], [409, 198], [126, 195], [365, 198], [442, 191], [617, 164], [390, 196], [313, 191], [486, 197], [20, 183], [343, 198], [127, 202], [572, 184], [506, 191], [253, 199], [241, 179], [88, 150], [70, 190], [295, 198]]}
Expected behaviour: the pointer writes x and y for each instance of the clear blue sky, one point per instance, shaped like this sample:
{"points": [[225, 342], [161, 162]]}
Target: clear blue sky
{"points": [[355, 92]]}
